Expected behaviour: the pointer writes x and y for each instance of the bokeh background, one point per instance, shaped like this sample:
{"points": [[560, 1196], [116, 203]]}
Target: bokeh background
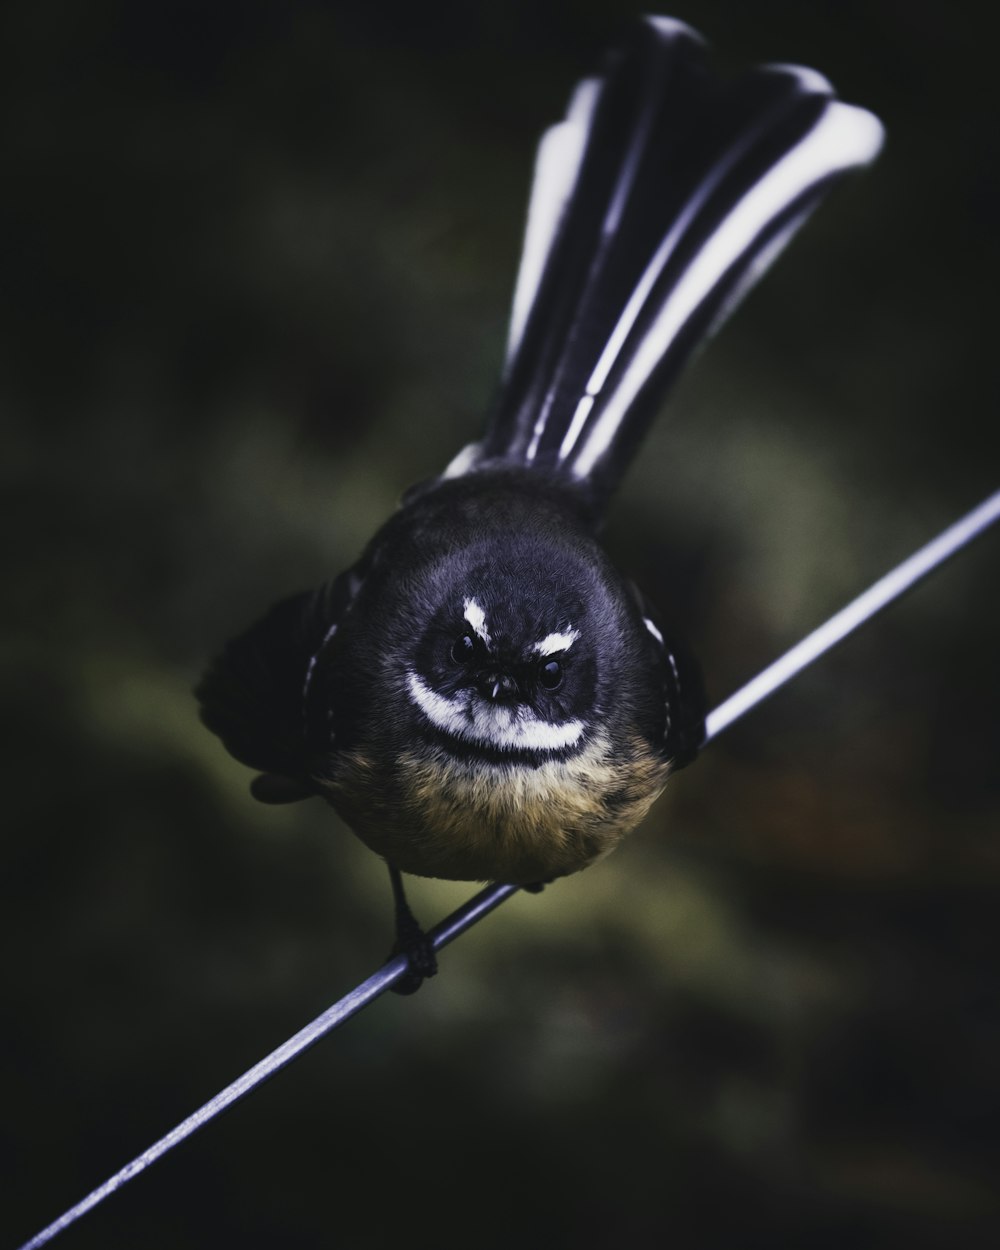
{"points": [[257, 266]]}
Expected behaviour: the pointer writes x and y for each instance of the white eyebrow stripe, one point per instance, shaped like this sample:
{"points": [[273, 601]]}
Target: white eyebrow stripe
{"points": [[653, 630], [560, 641], [476, 617], [487, 726]]}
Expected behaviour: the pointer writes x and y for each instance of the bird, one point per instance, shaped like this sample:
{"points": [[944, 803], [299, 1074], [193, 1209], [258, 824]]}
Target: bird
{"points": [[482, 695]]}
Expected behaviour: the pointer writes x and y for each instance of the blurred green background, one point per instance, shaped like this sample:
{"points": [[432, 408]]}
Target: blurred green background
{"points": [[257, 267]]}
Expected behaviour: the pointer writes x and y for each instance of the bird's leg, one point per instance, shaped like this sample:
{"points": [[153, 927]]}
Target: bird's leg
{"points": [[411, 940]]}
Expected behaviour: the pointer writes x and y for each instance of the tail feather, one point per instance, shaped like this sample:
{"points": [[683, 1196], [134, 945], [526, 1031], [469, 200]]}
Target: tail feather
{"points": [[656, 204]]}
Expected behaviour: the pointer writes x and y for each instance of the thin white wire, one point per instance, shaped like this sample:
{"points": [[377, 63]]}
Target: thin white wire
{"points": [[469, 914], [856, 613]]}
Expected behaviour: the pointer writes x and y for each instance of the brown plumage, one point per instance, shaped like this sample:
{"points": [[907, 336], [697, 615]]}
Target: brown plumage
{"points": [[466, 820]]}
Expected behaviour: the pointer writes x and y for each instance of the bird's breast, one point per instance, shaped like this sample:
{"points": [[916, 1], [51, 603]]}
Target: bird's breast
{"points": [[435, 814]]}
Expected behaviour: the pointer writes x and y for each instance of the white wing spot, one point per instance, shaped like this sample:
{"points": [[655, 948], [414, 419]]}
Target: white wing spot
{"points": [[653, 630]]}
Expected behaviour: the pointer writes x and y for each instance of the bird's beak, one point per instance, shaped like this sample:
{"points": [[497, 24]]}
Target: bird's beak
{"points": [[498, 687]]}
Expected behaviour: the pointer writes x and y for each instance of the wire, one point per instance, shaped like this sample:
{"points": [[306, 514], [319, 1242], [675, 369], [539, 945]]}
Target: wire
{"points": [[844, 622], [464, 918], [887, 589]]}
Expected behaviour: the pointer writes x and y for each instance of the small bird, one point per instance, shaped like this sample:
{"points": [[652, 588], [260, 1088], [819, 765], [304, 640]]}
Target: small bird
{"points": [[482, 696]]}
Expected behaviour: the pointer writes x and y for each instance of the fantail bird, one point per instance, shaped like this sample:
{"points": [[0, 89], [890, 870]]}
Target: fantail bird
{"points": [[482, 696]]}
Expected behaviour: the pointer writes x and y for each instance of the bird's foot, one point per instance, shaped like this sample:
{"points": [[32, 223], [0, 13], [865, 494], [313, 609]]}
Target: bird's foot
{"points": [[418, 948], [411, 941]]}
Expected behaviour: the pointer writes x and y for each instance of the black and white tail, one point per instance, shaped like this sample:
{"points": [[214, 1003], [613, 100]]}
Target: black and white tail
{"points": [[656, 204]]}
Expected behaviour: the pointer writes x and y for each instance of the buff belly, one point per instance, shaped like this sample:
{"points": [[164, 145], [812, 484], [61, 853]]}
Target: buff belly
{"points": [[436, 815]]}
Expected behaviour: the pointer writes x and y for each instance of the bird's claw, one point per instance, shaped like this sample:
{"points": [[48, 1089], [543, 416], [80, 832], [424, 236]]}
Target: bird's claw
{"points": [[422, 961]]}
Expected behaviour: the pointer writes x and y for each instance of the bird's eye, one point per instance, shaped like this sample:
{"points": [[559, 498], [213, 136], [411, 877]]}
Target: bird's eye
{"points": [[550, 674], [462, 649]]}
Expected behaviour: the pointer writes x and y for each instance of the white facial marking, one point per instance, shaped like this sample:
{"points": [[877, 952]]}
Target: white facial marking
{"points": [[653, 630], [476, 617], [503, 728], [553, 643]]}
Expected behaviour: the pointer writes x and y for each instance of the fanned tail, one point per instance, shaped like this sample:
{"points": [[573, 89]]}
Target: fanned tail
{"points": [[658, 201]]}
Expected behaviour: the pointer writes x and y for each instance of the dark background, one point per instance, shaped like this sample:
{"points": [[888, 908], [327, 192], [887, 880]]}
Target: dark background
{"points": [[257, 268]]}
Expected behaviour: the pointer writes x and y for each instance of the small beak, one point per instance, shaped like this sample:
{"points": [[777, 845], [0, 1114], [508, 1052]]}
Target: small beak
{"points": [[498, 687]]}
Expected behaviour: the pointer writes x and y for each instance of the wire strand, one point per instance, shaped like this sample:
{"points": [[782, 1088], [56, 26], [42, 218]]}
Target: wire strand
{"points": [[846, 621], [878, 596], [447, 931]]}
